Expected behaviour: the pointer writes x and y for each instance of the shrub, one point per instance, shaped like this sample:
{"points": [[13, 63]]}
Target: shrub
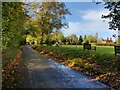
{"points": [[85, 42], [67, 43]]}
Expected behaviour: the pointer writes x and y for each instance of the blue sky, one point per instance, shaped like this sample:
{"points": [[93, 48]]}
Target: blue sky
{"points": [[86, 20]]}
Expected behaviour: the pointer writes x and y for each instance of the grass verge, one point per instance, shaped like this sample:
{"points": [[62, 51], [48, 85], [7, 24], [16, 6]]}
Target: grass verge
{"points": [[11, 68]]}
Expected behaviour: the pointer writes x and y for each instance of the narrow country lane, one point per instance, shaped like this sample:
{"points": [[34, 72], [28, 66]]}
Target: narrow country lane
{"points": [[47, 73]]}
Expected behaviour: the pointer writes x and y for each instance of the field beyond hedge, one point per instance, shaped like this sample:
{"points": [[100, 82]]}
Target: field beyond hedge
{"points": [[101, 64]]}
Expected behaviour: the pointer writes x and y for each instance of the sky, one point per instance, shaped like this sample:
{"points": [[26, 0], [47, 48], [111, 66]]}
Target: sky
{"points": [[86, 20]]}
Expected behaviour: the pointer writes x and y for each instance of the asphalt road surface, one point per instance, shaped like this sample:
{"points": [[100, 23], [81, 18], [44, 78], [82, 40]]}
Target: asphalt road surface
{"points": [[43, 72]]}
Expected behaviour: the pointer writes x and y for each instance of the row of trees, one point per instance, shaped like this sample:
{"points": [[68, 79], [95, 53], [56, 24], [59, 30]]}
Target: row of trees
{"points": [[37, 20], [71, 39], [58, 36], [13, 17], [41, 20]]}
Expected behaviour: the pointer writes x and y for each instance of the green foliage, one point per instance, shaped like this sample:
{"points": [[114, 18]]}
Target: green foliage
{"points": [[57, 36], [91, 39], [49, 16], [67, 43], [60, 37], [80, 40], [84, 37], [72, 39], [13, 18], [114, 14], [85, 42]]}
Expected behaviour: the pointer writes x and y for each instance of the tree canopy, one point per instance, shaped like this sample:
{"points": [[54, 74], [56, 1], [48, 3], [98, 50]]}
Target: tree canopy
{"points": [[13, 18], [49, 16], [114, 14]]}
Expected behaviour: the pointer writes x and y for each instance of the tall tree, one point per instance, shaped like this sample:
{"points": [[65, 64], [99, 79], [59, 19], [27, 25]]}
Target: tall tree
{"points": [[50, 16], [13, 18]]}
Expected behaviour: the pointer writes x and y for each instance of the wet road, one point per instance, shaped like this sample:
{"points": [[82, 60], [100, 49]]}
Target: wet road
{"points": [[46, 73]]}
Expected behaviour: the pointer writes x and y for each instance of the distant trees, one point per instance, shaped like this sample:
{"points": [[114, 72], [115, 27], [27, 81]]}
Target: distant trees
{"points": [[60, 37], [91, 39], [85, 37], [57, 36], [72, 39], [80, 40], [68, 40], [85, 41]]}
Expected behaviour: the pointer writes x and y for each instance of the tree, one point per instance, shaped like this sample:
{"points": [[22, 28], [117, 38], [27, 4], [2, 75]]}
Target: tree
{"points": [[57, 36], [68, 40], [60, 37], [50, 16], [114, 15], [13, 18], [91, 39], [80, 40], [72, 39], [85, 41]]}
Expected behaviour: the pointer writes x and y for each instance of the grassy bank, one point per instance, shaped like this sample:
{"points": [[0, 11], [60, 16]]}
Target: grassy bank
{"points": [[11, 67], [8, 55], [102, 64]]}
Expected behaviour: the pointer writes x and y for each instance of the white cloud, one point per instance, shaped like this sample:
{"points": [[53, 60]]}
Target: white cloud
{"points": [[87, 28], [90, 24], [93, 15], [74, 28]]}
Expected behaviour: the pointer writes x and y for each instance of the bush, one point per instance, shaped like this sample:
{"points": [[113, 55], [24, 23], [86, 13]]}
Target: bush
{"points": [[85, 42], [67, 43]]}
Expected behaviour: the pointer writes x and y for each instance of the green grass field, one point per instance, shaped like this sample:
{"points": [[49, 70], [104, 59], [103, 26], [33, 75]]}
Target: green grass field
{"points": [[104, 55], [99, 49]]}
